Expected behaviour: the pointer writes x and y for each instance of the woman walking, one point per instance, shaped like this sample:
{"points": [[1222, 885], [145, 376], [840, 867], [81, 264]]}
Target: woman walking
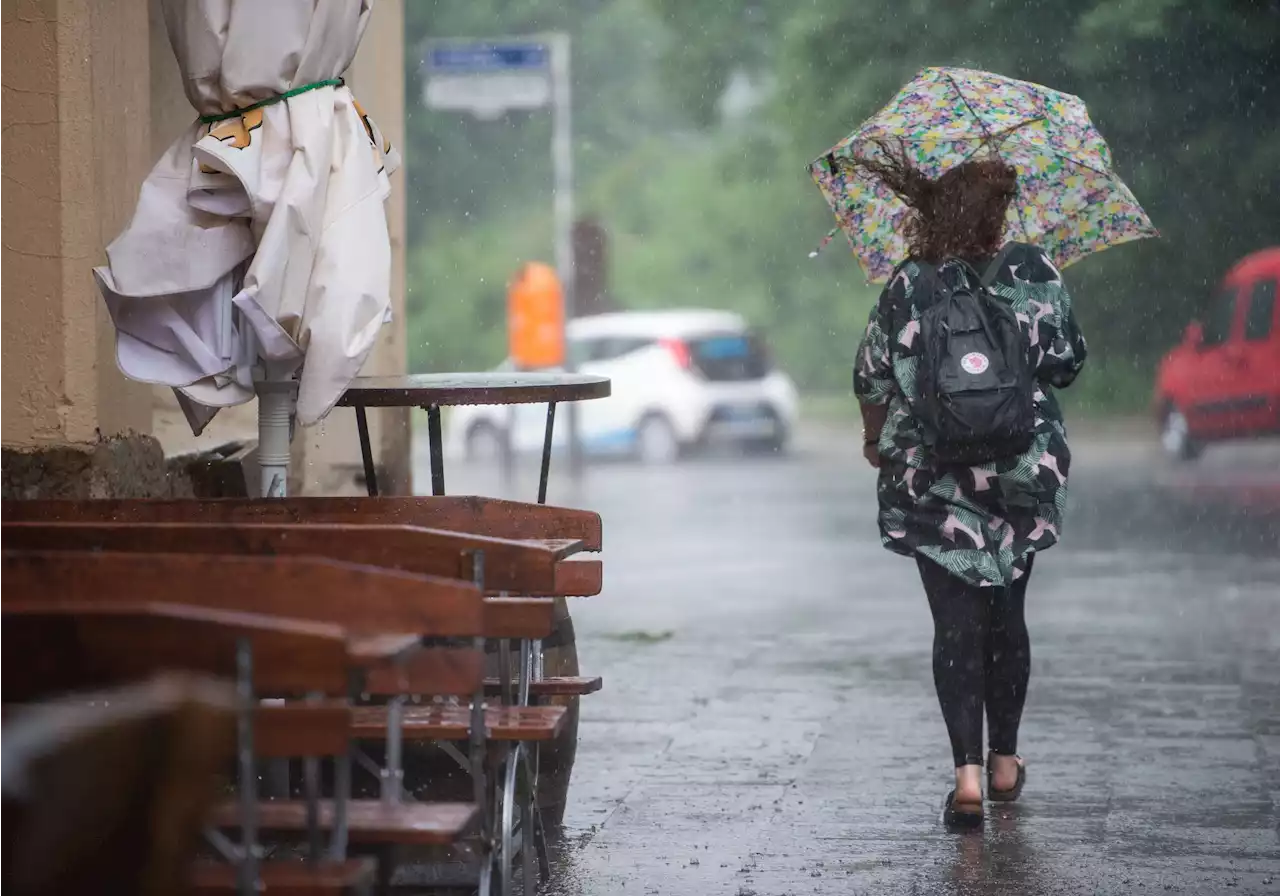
{"points": [[973, 529]]}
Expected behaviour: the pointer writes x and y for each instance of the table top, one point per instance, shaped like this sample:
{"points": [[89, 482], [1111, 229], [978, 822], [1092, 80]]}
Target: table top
{"points": [[441, 389]]}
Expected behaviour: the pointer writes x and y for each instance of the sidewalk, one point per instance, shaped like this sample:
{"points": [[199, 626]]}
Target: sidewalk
{"points": [[768, 724]]}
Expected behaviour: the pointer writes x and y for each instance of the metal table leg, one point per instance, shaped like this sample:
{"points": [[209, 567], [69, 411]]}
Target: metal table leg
{"points": [[366, 451], [436, 442], [247, 873], [546, 453]]}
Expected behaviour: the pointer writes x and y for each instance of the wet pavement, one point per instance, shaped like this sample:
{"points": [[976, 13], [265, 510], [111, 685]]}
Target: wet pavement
{"points": [[768, 724]]}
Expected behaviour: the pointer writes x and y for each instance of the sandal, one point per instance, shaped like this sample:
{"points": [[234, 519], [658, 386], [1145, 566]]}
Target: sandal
{"points": [[961, 815], [1005, 796]]}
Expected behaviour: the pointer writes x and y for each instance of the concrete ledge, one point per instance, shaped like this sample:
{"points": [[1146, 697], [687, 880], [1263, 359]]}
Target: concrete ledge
{"points": [[126, 466]]}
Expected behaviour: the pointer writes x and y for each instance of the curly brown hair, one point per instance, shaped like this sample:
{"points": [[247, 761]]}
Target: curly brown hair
{"points": [[959, 215]]}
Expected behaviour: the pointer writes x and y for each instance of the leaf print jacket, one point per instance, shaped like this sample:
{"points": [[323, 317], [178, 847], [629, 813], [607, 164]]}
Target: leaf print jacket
{"points": [[979, 523]]}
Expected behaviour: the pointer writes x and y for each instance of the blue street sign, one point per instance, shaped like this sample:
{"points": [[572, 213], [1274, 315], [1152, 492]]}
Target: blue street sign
{"points": [[484, 57]]}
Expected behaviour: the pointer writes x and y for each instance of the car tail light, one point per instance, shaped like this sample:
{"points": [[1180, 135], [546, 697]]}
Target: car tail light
{"points": [[679, 351]]}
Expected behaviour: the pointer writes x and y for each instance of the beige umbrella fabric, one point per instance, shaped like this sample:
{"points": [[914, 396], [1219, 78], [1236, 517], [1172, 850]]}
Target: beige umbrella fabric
{"points": [[260, 238]]}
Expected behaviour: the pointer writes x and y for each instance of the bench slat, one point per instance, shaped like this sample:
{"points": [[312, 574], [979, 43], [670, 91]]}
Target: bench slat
{"points": [[77, 644], [288, 877], [518, 617], [562, 686], [578, 578], [526, 566], [293, 729], [508, 723], [370, 821], [454, 671], [461, 513], [364, 600]]}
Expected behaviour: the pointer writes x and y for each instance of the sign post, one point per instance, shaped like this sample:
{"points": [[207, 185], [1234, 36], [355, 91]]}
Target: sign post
{"points": [[489, 77]]}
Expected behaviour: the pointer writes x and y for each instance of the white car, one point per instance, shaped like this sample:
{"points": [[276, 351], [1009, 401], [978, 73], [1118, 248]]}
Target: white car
{"points": [[681, 379]]}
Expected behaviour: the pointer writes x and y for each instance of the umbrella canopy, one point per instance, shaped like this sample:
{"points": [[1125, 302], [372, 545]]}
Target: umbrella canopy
{"points": [[260, 238], [1070, 202]]}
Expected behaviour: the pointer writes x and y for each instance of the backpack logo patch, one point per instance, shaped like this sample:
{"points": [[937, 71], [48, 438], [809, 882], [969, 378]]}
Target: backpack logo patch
{"points": [[975, 363]]}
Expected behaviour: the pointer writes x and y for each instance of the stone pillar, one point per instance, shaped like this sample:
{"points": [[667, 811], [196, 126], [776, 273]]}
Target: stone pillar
{"points": [[171, 112], [379, 78], [76, 147]]}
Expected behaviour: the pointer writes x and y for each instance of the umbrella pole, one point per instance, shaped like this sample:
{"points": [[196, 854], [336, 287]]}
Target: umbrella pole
{"points": [[276, 397]]}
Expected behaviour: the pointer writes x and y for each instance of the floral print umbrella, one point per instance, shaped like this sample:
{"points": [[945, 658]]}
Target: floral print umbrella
{"points": [[1070, 202]]}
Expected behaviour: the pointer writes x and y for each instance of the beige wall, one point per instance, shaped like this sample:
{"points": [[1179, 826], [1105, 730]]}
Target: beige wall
{"points": [[91, 97], [171, 114], [76, 145]]}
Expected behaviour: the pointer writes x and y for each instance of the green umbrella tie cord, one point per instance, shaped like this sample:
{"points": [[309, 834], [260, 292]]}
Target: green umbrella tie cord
{"points": [[271, 100]]}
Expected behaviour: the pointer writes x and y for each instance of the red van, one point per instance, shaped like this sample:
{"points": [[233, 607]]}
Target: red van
{"points": [[1223, 381]]}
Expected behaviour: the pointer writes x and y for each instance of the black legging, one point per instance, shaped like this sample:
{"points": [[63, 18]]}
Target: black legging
{"points": [[981, 657]]}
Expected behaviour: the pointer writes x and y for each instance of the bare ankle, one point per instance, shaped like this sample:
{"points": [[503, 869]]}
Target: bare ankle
{"points": [[1004, 770], [969, 782]]}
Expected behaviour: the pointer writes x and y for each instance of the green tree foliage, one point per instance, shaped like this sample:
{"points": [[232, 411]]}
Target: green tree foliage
{"points": [[713, 210], [479, 192]]}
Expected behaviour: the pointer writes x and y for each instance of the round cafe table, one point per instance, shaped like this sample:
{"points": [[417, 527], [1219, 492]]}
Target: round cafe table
{"points": [[432, 391]]}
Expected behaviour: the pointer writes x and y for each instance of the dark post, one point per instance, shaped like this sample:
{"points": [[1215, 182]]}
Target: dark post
{"points": [[591, 269]]}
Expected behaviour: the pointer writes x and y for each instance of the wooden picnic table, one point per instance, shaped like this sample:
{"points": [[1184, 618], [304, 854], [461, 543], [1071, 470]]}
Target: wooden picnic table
{"points": [[390, 658], [432, 391]]}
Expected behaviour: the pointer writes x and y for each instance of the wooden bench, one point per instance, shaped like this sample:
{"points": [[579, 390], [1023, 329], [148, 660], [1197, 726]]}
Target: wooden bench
{"points": [[391, 603], [91, 778], [528, 567], [513, 520], [513, 563], [371, 604], [490, 516], [367, 602], [82, 643], [509, 520]]}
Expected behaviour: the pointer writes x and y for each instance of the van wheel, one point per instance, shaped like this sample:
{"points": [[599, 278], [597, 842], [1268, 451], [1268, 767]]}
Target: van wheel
{"points": [[656, 441], [485, 441], [1175, 436]]}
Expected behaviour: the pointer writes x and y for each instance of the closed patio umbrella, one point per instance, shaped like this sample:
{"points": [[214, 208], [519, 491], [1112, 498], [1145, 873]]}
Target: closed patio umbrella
{"points": [[258, 260]]}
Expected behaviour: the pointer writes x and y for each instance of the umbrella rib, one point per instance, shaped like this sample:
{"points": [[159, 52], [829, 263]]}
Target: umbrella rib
{"points": [[1003, 137], [1005, 134], [964, 99], [1066, 158], [989, 138]]}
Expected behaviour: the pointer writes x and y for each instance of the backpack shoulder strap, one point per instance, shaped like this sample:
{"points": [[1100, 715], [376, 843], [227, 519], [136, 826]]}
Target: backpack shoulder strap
{"points": [[926, 279], [993, 269]]}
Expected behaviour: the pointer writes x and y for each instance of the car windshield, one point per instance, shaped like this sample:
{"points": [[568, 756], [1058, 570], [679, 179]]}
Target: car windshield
{"points": [[730, 356]]}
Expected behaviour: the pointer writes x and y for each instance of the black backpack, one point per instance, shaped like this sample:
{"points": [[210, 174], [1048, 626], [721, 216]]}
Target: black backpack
{"points": [[975, 380]]}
